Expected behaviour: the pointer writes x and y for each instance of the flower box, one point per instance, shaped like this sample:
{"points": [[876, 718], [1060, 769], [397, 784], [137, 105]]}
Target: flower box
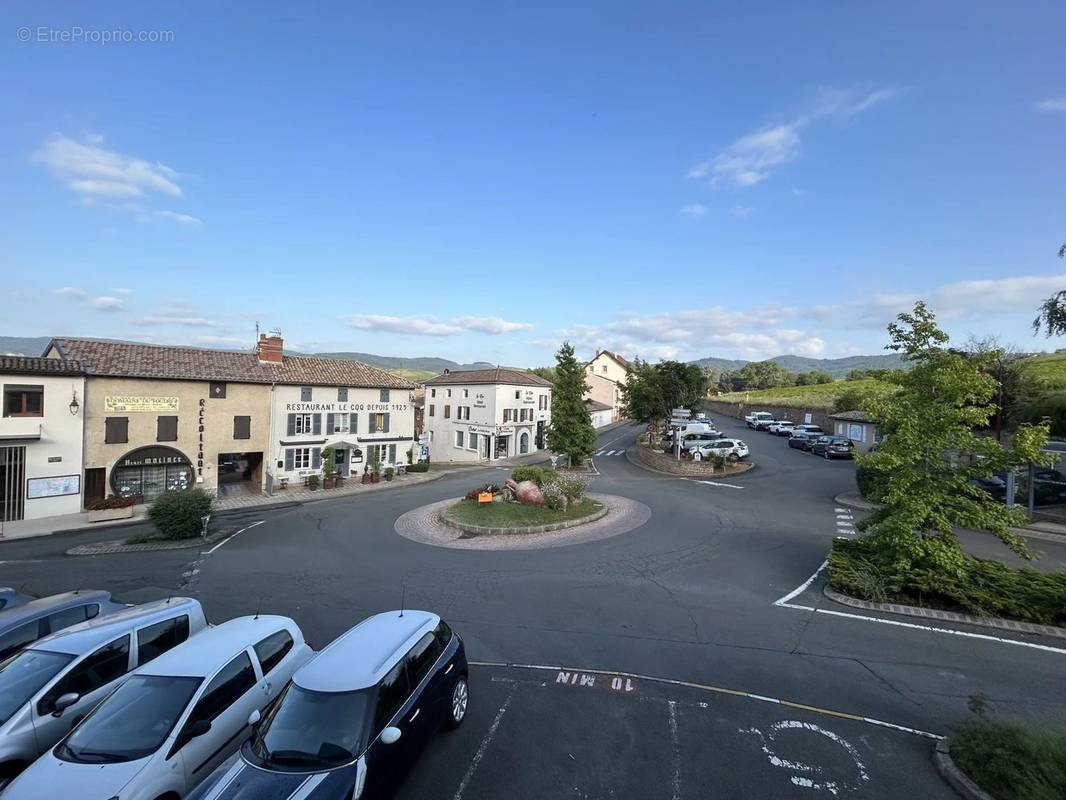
{"points": [[108, 514]]}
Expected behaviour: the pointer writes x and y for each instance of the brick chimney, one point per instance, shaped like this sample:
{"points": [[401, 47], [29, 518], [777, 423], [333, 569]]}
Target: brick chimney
{"points": [[270, 348]]}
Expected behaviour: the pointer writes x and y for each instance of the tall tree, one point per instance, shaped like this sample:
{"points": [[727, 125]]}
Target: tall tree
{"points": [[641, 393], [932, 454], [1052, 316], [571, 430]]}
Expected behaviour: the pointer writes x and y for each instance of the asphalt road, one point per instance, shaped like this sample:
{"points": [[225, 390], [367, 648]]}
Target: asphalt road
{"points": [[690, 597]]}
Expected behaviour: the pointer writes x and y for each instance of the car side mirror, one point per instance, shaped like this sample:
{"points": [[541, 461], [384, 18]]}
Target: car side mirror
{"points": [[390, 735], [254, 717], [198, 728], [63, 702]]}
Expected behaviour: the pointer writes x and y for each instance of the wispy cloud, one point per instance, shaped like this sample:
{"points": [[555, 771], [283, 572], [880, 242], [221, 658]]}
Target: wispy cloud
{"points": [[751, 158], [693, 210], [181, 219], [90, 169], [121, 291], [178, 317], [1051, 104], [106, 303], [71, 291], [741, 212], [431, 326]]}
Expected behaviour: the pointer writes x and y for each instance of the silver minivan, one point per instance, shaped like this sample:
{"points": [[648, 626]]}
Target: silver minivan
{"points": [[24, 623], [48, 688]]}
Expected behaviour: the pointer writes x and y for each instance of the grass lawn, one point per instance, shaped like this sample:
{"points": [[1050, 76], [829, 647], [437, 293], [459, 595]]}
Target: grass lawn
{"points": [[413, 375], [1012, 762], [1047, 370], [820, 395], [516, 515]]}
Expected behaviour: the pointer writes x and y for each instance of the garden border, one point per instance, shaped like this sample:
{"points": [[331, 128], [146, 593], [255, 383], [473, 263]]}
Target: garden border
{"points": [[485, 530], [953, 774], [636, 462], [945, 616]]}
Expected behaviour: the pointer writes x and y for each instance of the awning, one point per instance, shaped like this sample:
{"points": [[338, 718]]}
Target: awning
{"points": [[345, 443], [20, 437]]}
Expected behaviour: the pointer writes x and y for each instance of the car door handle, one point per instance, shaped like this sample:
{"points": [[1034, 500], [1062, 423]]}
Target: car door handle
{"points": [[415, 715], [449, 668]]}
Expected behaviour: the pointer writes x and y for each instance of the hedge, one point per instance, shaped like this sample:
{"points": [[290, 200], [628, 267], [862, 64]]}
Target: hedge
{"points": [[422, 466], [532, 473], [870, 482], [177, 515], [983, 587], [1012, 762]]}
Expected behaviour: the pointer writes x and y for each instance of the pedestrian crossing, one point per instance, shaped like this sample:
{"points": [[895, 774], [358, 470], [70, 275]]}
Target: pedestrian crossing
{"points": [[602, 453]]}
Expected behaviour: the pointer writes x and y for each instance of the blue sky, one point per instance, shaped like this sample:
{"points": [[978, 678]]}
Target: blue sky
{"points": [[479, 181]]}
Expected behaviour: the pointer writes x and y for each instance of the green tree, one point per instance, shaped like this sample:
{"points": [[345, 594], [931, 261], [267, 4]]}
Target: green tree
{"points": [[1052, 316], [680, 386], [765, 375], [932, 454], [548, 373], [571, 430], [641, 393], [820, 376]]}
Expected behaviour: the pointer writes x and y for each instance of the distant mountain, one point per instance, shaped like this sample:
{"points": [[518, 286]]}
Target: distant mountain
{"points": [[424, 363], [23, 345], [839, 367]]}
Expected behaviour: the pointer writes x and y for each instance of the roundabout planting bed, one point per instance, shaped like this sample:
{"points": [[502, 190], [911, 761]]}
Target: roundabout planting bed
{"points": [[493, 518]]}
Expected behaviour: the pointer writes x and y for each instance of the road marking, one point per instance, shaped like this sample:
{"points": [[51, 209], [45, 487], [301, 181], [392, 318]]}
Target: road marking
{"points": [[675, 744], [716, 483], [615, 439], [484, 745], [597, 455], [233, 536], [617, 683], [830, 786], [716, 690], [785, 602]]}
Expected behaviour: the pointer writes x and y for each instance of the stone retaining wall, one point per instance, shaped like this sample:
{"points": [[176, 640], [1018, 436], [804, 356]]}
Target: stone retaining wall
{"points": [[819, 417], [661, 462]]}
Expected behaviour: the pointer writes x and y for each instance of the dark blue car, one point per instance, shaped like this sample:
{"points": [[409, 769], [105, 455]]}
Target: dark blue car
{"points": [[355, 717]]}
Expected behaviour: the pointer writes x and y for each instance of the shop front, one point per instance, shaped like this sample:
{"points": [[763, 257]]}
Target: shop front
{"points": [[147, 472]]}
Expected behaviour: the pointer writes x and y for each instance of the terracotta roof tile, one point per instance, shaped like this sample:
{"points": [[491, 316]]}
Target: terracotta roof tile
{"points": [[134, 360], [496, 375], [47, 366]]}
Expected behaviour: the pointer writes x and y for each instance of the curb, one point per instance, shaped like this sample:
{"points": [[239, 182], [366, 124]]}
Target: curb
{"points": [[946, 616], [119, 546], [958, 779], [750, 468], [484, 530]]}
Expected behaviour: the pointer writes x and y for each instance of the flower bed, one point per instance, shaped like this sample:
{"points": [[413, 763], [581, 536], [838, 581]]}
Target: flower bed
{"points": [[517, 515]]}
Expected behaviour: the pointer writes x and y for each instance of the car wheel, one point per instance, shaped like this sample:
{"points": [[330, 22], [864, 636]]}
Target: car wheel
{"points": [[457, 706]]}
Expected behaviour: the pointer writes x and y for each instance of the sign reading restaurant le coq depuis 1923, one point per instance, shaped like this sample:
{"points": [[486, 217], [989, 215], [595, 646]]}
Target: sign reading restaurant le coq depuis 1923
{"points": [[343, 408], [132, 404]]}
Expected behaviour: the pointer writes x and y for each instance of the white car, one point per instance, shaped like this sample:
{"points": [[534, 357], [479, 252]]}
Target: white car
{"points": [[782, 427], [172, 722], [759, 419], [724, 448]]}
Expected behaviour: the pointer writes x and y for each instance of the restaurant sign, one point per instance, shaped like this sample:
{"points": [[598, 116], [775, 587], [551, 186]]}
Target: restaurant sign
{"points": [[152, 456], [133, 404]]}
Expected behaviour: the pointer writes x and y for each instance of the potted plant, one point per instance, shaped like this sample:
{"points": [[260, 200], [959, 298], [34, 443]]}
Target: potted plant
{"points": [[389, 472], [375, 468], [113, 507], [366, 474], [312, 482], [329, 469]]}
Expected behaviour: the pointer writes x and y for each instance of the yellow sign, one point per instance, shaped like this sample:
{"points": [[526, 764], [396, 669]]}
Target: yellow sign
{"points": [[134, 403]]}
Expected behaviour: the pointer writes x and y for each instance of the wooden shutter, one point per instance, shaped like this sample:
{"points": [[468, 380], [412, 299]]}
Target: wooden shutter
{"points": [[329, 424], [392, 454], [290, 463], [353, 423], [316, 424], [116, 430], [166, 429], [242, 427], [447, 411], [316, 458], [373, 424], [386, 428], [291, 430]]}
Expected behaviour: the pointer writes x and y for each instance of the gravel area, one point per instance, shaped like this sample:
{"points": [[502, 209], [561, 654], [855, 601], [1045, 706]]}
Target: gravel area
{"points": [[423, 525]]}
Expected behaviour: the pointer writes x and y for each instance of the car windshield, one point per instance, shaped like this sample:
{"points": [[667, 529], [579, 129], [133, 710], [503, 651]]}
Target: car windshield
{"points": [[132, 723], [313, 730], [24, 674]]}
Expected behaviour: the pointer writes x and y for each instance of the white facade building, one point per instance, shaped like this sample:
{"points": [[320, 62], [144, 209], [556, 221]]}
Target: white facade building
{"points": [[486, 414], [41, 434], [358, 423]]}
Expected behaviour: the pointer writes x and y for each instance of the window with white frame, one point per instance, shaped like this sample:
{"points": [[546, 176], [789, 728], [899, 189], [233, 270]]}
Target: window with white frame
{"points": [[472, 442], [340, 423], [458, 438], [303, 423], [301, 458]]}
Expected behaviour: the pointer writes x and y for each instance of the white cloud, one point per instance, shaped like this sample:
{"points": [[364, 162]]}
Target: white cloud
{"points": [[1051, 104], [121, 291], [181, 219], [89, 169], [71, 291], [752, 157], [741, 212], [180, 317], [106, 303], [431, 326], [693, 210]]}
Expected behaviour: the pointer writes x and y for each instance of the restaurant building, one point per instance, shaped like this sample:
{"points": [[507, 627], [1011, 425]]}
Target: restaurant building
{"points": [[162, 418], [486, 414], [40, 437]]}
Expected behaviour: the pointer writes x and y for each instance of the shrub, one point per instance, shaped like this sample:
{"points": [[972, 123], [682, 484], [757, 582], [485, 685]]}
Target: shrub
{"points": [[420, 467], [177, 515], [981, 587], [491, 488], [312, 482], [389, 472], [536, 474], [554, 496], [1011, 762], [871, 483], [113, 501], [572, 487]]}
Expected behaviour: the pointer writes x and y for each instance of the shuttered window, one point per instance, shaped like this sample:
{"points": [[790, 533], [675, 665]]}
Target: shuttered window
{"points": [[305, 394], [342, 395], [166, 429], [353, 423], [242, 427], [116, 430], [392, 454], [447, 412], [384, 395]]}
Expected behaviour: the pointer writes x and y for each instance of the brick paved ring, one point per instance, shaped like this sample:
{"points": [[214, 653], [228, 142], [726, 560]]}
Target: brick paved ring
{"points": [[423, 525]]}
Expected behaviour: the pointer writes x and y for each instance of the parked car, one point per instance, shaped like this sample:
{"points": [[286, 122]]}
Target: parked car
{"points": [[173, 722], [802, 439], [47, 689], [781, 427], [354, 719], [993, 485], [755, 418], [694, 440], [724, 448], [9, 598], [24, 624], [833, 447]]}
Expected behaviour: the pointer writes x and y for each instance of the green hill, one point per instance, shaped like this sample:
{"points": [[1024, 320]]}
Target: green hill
{"points": [[819, 396], [838, 367]]}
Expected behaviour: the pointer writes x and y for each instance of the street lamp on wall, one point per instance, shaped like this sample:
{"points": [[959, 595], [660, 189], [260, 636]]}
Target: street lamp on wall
{"points": [[74, 405]]}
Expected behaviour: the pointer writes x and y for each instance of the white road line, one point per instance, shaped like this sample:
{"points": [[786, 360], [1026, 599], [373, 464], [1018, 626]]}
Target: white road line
{"points": [[484, 745], [238, 533], [597, 455], [716, 483], [615, 439], [675, 743], [783, 601]]}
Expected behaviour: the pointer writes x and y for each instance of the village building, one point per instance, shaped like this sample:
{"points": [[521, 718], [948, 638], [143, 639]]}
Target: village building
{"points": [[605, 375], [486, 414], [600, 414], [162, 418], [41, 437], [858, 427]]}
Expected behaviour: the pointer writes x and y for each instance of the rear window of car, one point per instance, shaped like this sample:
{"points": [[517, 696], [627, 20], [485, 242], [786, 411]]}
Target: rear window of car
{"points": [[273, 649], [156, 639]]}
